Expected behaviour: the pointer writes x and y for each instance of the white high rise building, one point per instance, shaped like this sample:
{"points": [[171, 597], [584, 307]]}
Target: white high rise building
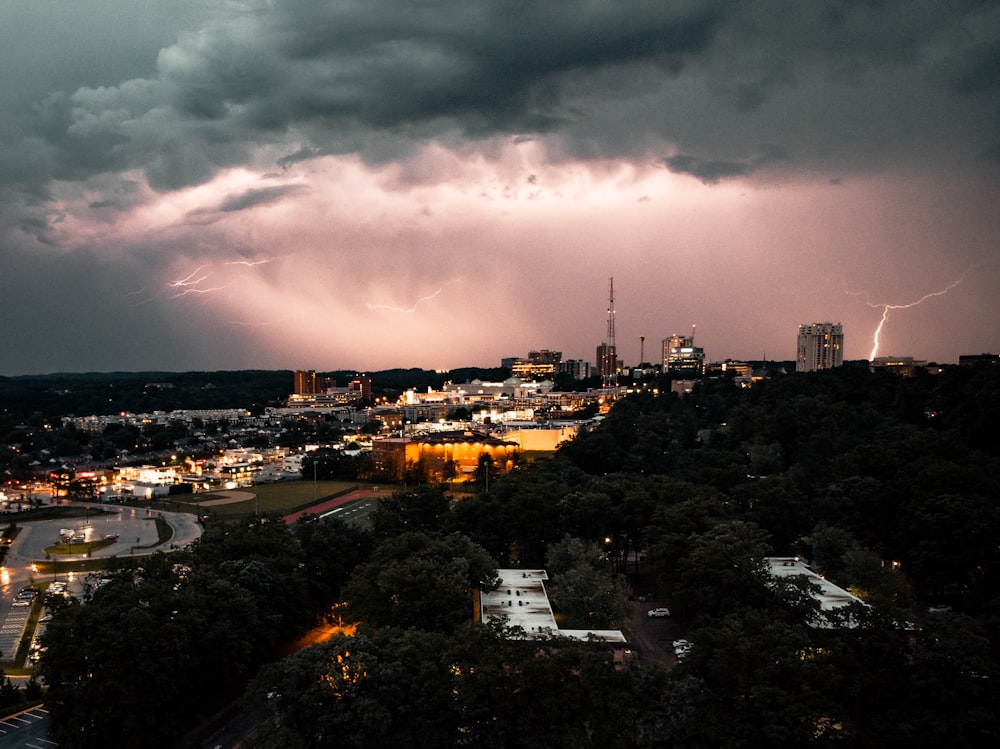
{"points": [[821, 346]]}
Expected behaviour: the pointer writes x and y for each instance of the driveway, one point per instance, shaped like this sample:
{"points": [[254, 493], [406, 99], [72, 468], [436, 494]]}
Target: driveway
{"points": [[652, 637]]}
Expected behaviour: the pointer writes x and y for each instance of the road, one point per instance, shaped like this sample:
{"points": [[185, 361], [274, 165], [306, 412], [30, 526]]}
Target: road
{"points": [[134, 527], [137, 535]]}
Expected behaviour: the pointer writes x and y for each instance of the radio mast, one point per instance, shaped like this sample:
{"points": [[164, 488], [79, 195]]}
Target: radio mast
{"points": [[611, 373]]}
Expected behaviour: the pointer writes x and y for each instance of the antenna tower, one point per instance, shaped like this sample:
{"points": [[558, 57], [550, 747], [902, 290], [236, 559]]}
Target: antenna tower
{"points": [[611, 314], [611, 376]]}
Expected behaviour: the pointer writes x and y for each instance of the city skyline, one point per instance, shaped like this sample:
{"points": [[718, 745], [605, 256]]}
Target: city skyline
{"points": [[237, 185]]}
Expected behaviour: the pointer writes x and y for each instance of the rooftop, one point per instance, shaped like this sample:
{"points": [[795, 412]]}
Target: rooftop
{"points": [[522, 599], [829, 596]]}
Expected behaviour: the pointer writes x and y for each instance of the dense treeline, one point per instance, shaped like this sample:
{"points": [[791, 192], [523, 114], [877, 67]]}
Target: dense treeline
{"points": [[156, 648], [39, 398], [889, 486]]}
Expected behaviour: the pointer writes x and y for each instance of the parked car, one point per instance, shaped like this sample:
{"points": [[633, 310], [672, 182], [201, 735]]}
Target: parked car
{"points": [[658, 612]]}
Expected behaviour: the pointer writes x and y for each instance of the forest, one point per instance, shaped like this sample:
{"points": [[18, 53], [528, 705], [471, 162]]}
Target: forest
{"points": [[888, 486]]}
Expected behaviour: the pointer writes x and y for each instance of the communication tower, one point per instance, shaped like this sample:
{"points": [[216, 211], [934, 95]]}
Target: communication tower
{"points": [[607, 353]]}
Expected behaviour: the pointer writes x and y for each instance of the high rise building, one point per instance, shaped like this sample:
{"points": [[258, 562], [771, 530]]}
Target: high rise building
{"points": [[363, 385], [681, 357], [820, 346], [577, 368], [607, 364], [305, 382]]}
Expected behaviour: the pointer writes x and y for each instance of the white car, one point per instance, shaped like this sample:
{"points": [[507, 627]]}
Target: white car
{"points": [[658, 612]]}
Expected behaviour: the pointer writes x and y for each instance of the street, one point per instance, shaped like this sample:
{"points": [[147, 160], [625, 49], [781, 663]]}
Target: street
{"points": [[136, 533]]}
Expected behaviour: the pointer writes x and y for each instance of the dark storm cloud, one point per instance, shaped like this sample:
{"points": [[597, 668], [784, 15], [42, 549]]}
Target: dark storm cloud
{"points": [[604, 79], [978, 70], [253, 198], [337, 74], [712, 172], [258, 197], [709, 172], [490, 65], [106, 106]]}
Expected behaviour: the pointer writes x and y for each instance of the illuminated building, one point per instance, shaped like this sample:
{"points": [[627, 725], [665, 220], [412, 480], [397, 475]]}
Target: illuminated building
{"points": [[542, 363], [607, 363], [902, 365], [820, 346], [682, 357], [305, 382], [742, 369], [363, 386], [330, 396], [442, 456]]}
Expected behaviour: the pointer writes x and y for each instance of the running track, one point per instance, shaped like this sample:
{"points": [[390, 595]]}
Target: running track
{"points": [[336, 502]]}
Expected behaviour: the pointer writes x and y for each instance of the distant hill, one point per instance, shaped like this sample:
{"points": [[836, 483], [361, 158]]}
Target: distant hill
{"points": [[51, 396]]}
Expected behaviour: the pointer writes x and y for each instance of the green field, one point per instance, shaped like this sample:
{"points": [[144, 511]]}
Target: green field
{"points": [[283, 497]]}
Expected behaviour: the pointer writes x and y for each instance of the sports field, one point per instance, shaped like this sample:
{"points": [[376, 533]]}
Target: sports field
{"points": [[282, 497]]}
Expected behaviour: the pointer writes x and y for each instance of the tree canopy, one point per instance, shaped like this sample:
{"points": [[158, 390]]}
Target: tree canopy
{"points": [[888, 485]]}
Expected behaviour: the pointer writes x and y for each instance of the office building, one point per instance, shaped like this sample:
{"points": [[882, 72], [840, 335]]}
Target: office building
{"points": [[305, 382], [681, 357], [607, 363], [542, 363], [578, 369]]}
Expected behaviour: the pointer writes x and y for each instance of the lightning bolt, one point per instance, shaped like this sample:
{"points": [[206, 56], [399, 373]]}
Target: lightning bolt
{"points": [[421, 300], [130, 297], [186, 292], [248, 263], [189, 284], [887, 307], [190, 280], [412, 309]]}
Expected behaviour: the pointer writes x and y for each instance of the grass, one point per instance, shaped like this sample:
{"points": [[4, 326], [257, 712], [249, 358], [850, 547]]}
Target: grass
{"points": [[50, 512], [86, 547], [283, 497]]}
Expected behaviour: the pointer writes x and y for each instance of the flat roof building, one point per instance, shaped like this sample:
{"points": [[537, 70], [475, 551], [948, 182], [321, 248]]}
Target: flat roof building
{"points": [[522, 601], [830, 597]]}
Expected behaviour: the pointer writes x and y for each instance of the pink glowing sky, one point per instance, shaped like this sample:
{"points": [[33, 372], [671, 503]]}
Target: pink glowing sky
{"points": [[337, 185]]}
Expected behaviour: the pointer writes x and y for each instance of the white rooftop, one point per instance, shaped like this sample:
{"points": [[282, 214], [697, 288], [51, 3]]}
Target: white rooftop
{"points": [[521, 597], [829, 596]]}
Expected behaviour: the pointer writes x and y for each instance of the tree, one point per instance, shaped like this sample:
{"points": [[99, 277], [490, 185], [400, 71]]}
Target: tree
{"points": [[392, 687], [724, 570], [421, 508], [422, 580], [584, 589]]}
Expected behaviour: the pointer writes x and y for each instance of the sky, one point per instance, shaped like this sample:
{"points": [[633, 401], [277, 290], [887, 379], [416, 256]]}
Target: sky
{"points": [[323, 184]]}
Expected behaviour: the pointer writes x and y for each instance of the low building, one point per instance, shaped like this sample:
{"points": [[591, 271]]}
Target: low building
{"points": [[902, 365], [522, 603], [541, 439], [972, 360], [830, 597], [441, 456]]}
